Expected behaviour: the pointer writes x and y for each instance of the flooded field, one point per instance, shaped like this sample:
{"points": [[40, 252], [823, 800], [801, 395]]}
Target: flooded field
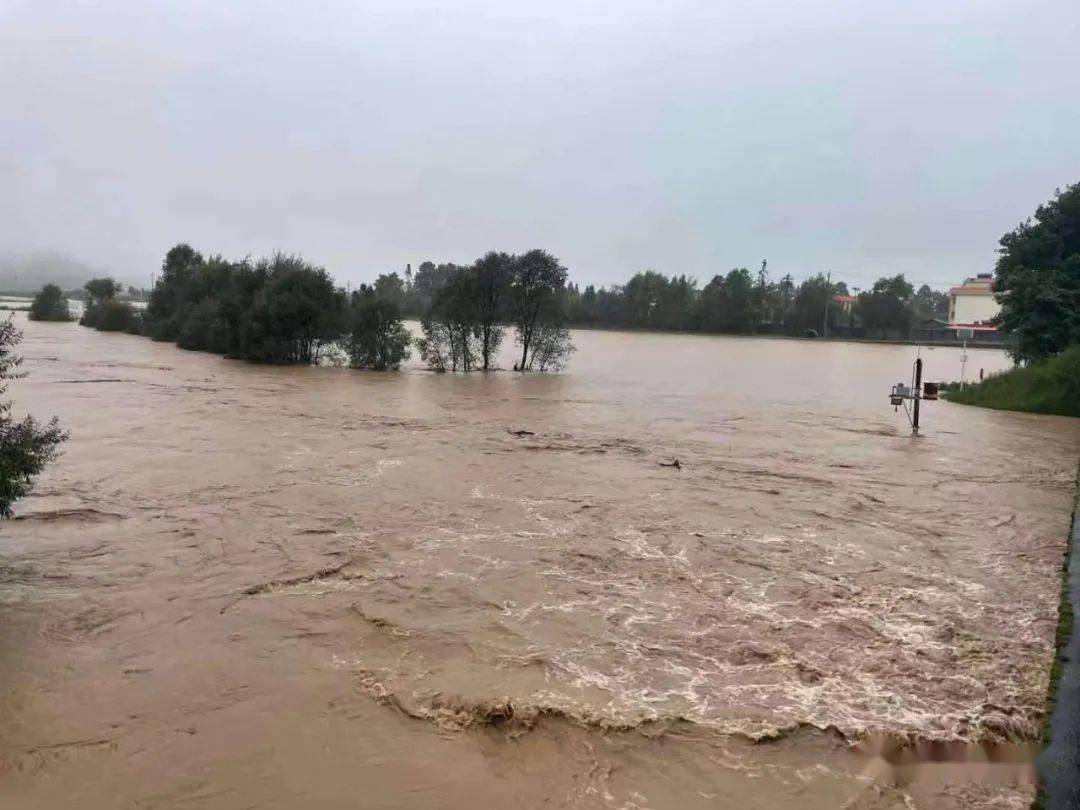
{"points": [[262, 587]]}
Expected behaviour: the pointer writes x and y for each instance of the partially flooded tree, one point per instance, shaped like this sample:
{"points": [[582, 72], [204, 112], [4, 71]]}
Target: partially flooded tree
{"points": [[293, 315], [437, 348], [50, 305], [102, 310], [167, 308], [451, 327], [376, 337], [489, 280], [25, 446], [537, 287], [551, 347]]}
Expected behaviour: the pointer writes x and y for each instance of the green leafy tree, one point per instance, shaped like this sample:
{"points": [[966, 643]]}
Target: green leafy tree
{"points": [[552, 346], [537, 288], [102, 289], [102, 310], [811, 301], [49, 305], [296, 313], [677, 306], [764, 296], [170, 298], [928, 303], [711, 306], [1037, 279], [25, 446], [437, 345], [376, 337], [739, 316], [451, 327], [427, 281], [887, 305], [489, 282], [390, 287], [642, 296], [785, 290]]}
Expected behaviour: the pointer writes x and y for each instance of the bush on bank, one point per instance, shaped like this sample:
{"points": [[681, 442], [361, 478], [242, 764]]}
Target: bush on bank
{"points": [[1049, 386]]}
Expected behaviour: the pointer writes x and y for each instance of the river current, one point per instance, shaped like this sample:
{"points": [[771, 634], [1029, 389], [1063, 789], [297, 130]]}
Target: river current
{"points": [[245, 586]]}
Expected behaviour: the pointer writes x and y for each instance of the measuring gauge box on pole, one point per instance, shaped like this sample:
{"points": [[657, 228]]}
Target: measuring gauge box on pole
{"points": [[902, 394]]}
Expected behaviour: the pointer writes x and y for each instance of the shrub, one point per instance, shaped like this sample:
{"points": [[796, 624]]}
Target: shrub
{"points": [[109, 316], [50, 305]]}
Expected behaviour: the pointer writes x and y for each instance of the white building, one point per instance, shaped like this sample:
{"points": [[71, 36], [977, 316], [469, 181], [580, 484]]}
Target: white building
{"points": [[972, 303]]}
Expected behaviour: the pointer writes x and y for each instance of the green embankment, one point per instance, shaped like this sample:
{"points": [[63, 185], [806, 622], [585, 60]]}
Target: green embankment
{"points": [[1049, 386]]}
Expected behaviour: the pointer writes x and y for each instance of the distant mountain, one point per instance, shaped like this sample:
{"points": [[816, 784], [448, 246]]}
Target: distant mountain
{"points": [[27, 272]]}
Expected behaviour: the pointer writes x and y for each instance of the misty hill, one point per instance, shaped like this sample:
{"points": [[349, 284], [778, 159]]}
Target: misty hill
{"points": [[27, 272]]}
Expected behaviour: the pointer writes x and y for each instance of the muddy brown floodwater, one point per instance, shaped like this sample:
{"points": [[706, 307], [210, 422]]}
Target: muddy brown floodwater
{"points": [[275, 588]]}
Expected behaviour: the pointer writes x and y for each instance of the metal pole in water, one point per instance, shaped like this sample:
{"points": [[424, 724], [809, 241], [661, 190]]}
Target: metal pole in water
{"points": [[918, 395]]}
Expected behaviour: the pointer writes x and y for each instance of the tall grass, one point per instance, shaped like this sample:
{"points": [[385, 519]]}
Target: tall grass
{"points": [[1049, 386]]}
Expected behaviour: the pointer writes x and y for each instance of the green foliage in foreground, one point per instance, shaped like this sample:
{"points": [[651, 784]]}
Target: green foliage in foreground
{"points": [[1049, 386], [25, 446], [50, 305]]}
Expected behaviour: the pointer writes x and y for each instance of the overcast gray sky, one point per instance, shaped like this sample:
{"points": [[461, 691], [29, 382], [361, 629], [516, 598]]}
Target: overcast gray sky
{"points": [[859, 137]]}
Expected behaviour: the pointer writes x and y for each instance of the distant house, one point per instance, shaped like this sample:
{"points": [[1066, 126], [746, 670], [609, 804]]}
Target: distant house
{"points": [[844, 303], [972, 304], [932, 329]]}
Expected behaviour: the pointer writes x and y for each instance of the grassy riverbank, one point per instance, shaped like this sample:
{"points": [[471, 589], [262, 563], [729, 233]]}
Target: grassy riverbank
{"points": [[1050, 386]]}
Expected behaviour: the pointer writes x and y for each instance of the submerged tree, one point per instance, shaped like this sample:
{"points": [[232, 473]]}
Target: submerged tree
{"points": [[489, 287], [102, 310], [25, 446], [551, 347], [437, 347], [285, 310], [169, 300], [50, 305], [450, 327], [294, 315], [376, 337], [537, 288]]}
